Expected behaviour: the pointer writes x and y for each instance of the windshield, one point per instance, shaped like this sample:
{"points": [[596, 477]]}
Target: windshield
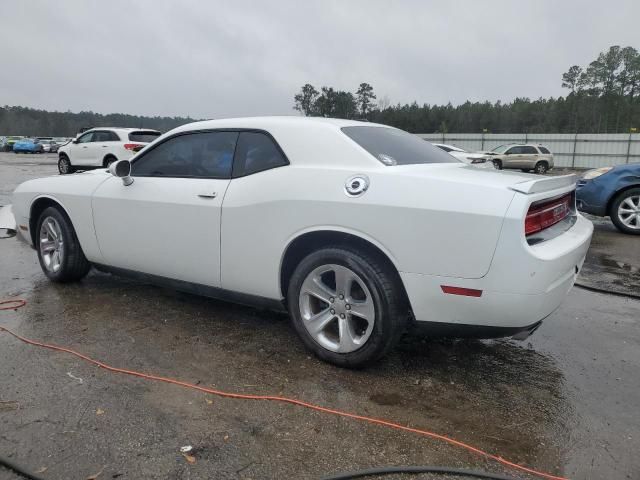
{"points": [[396, 147], [501, 149]]}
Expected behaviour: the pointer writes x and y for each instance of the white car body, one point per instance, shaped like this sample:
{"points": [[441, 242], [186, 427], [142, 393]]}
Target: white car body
{"points": [[478, 160], [233, 235], [101, 146]]}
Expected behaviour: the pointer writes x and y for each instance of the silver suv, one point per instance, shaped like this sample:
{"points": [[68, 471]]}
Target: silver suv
{"points": [[525, 157]]}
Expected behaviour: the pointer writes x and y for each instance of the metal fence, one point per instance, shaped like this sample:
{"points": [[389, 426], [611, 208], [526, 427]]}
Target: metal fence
{"points": [[583, 150]]}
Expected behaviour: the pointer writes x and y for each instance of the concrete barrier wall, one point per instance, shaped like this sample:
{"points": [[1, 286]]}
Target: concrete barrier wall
{"points": [[583, 150]]}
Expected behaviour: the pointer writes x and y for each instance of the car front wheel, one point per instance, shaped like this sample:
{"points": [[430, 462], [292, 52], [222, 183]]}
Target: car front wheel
{"points": [[59, 252], [347, 306], [64, 165], [625, 211]]}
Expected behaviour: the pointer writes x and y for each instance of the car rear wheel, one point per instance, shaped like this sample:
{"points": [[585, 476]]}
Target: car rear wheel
{"points": [[541, 168], [625, 211], [64, 165], [59, 252], [109, 160], [347, 306]]}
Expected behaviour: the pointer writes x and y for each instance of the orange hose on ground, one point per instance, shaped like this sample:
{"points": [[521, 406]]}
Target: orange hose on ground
{"points": [[292, 401]]}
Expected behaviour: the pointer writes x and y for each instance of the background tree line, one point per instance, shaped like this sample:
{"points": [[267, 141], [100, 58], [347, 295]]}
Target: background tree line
{"points": [[32, 122], [602, 98]]}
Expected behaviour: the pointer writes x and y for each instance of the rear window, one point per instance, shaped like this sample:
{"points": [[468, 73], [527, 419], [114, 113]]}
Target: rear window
{"points": [[544, 150], [396, 147], [145, 137]]}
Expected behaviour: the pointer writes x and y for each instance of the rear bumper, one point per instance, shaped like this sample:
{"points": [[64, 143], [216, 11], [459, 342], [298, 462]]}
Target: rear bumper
{"points": [[521, 288]]}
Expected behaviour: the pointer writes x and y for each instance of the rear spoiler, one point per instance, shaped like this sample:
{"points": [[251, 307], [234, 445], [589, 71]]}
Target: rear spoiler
{"points": [[545, 184]]}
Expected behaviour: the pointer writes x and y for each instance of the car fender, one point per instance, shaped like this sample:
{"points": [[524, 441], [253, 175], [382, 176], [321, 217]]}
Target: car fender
{"points": [[72, 193]]}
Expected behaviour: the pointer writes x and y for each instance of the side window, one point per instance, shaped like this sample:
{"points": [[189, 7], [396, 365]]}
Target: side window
{"points": [[86, 138], [112, 137], [200, 155], [256, 152], [100, 137], [529, 150], [514, 150], [544, 150]]}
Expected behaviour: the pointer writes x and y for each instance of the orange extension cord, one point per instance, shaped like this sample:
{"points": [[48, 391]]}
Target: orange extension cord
{"points": [[15, 304]]}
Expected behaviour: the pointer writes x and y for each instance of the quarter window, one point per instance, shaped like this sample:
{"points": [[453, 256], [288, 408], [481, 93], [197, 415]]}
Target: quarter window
{"points": [[195, 155], [256, 152], [544, 150]]}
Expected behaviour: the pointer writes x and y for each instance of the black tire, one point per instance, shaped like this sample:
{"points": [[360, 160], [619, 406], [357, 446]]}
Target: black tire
{"points": [[64, 165], [497, 164], [389, 300], [614, 214], [541, 168], [109, 159], [74, 265]]}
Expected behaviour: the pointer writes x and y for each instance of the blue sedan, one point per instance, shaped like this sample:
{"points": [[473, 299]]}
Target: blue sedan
{"points": [[28, 145], [612, 192]]}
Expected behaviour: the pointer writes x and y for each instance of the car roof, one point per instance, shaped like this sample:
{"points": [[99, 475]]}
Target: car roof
{"points": [[122, 129], [274, 122], [305, 140]]}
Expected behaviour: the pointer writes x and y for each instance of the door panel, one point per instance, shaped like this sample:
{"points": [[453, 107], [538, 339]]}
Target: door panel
{"points": [[162, 226]]}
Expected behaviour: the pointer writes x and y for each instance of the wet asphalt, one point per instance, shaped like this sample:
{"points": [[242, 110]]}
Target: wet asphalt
{"points": [[565, 401]]}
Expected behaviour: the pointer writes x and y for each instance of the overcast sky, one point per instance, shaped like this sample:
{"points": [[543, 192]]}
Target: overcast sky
{"points": [[212, 59]]}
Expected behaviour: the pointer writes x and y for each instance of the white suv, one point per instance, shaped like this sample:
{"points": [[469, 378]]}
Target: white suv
{"points": [[100, 147]]}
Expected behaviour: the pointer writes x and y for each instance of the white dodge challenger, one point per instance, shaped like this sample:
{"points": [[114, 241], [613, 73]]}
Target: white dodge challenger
{"points": [[356, 229]]}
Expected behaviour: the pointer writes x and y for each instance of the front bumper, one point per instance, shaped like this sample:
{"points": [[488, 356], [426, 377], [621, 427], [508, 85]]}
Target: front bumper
{"points": [[517, 292], [591, 198]]}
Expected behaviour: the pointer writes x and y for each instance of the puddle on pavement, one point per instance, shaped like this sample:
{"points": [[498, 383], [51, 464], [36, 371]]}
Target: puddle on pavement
{"points": [[608, 262]]}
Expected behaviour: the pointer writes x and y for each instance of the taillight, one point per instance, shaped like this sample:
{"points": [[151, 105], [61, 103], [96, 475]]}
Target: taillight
{"points": [[547, 213], [132, 146]]}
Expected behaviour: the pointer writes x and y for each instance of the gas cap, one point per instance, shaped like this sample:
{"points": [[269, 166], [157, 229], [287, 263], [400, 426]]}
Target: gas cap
{"points": [[356, 185]]}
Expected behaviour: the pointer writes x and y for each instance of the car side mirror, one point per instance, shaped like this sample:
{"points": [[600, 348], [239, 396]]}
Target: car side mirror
{"points": [[75, 140], [122, 169]]}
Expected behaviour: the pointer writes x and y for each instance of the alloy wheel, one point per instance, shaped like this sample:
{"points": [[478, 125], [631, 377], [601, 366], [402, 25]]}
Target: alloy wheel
{"points": [[629, 212], [337, 308], [51, 244], [63, 165]]}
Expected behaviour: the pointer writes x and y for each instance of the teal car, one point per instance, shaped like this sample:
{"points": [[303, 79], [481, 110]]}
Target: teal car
{"points": [[27, 145]]}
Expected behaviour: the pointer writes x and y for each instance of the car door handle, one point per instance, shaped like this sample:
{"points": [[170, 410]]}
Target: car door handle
{"points": [[208, 195], [84, 146]]}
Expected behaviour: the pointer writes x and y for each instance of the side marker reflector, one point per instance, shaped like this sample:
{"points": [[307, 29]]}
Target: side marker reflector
{"points": [[467, 292]]}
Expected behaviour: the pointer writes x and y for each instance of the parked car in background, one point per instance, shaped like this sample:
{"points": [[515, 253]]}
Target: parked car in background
{"points": [[9, 142], [102, 146], [612, 192], [355, 228], [479, 160], [27, 145], [525, 157], [49, 146], [61, 140]]}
